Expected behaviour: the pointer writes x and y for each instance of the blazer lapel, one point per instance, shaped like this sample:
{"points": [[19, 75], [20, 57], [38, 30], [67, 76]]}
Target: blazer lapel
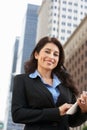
{"points": [[38, 83], [64, 95]]}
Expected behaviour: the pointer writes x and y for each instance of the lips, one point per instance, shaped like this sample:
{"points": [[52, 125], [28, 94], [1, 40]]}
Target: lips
{"points": [[50, 61]]}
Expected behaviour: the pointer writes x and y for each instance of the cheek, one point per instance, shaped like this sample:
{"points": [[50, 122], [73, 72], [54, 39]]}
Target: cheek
{"points": [[57, 60], [40, 59]]}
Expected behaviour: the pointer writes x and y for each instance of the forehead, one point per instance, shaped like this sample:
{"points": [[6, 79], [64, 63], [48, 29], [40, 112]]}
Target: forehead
{"points": [[51, 46]]}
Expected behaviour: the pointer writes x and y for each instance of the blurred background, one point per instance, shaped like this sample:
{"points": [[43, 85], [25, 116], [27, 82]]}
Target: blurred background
{"points": [[22, 24]]}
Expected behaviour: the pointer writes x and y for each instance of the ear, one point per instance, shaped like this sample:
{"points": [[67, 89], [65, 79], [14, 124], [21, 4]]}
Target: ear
{"points": [[36, 55]]}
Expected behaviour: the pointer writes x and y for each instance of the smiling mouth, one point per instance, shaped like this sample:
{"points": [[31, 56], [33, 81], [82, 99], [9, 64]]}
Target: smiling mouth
{"points": [[50, 61]]}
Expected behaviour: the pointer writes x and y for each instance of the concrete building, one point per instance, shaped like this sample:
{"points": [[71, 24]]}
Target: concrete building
{"points": [[14, 65], [76, 57], [59, 18], [10, 124], [4, 93]]}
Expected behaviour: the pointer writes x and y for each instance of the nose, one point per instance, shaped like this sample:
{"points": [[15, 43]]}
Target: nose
{"points": [[51, 55]]}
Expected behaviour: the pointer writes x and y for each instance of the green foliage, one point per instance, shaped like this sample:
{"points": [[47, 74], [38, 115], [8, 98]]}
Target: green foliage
{"points": [[84, 128]]}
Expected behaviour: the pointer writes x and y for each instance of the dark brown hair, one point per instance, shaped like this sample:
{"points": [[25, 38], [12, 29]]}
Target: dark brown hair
{"points": [[31, 65]]}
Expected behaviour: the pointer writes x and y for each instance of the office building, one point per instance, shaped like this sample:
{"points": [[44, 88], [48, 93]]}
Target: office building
{"points": [[28, 37], [76, 58], [59, 18], [10, 124], [14, 64]]}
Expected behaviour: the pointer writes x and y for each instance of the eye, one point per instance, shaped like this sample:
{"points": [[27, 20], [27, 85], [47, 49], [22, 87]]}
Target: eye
{"points": [[47, 51], [55, 54]]}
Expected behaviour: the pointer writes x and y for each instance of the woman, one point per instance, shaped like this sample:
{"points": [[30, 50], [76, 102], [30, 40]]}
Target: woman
{"points": [[42, 96]]}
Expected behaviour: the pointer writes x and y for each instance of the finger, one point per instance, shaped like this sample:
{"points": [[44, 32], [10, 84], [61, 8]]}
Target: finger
{"points": [[85, 92], [84, 96], [80, 101]]}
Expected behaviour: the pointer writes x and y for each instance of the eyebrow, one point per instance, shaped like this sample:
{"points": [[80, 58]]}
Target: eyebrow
{"points": [[50, 49]]}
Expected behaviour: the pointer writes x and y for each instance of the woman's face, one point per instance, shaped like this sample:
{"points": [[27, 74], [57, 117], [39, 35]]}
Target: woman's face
{"points": [[48, 57]]}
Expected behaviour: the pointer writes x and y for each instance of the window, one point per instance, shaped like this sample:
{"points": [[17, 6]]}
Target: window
{"points": [[69, 17], [64, 2], [81, 6], [86, 64], [78, 81], [69, 24], [54, 29], [79, 60], [76, 53], [75, 4], [81, 79], [86, 43], [85, 76], [64, 9], [75, 18], [75, 11], [63, 23], [70, 3], [78, 71], [63, 16], [86, 53], [74, 25], [75, 74], [54, 21], [81, 13], [85, 7], [62, 38], [82, 68], [54, 14], [75, 63], [55, 7], [51, 7], [85, 87], [63, 30], [83, 46], [70, 10], [68, 31], [82, 57]]}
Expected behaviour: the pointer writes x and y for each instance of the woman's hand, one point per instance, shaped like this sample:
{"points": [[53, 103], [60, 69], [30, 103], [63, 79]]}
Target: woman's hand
{"points": [[82, 102], [63, 109]]}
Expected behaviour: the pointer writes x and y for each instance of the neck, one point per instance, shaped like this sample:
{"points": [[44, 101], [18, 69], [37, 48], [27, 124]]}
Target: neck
{"points": [[45, 74]]}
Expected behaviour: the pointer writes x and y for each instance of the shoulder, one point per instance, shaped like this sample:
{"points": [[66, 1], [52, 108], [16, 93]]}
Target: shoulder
{"points": [[21, 76]]}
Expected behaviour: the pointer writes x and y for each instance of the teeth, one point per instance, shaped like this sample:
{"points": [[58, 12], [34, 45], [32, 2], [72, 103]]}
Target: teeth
{"points": [[51, 61]]}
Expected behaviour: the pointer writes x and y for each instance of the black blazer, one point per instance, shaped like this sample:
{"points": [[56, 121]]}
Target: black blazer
{"points": [[33, 105]]}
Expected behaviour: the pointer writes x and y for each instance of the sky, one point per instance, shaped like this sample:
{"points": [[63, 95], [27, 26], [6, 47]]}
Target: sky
{"points": [[12, 13], [11, 17]]}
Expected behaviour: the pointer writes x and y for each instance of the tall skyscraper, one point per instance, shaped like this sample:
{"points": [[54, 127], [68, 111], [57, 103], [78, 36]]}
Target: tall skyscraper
{"points": [[60, 18], [28, 37]]}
